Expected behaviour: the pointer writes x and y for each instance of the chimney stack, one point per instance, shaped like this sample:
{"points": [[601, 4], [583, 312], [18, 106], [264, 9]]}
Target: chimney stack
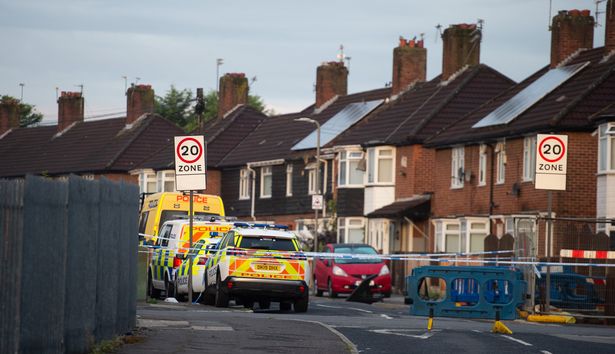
{"points": [[461, 47], [609, 34], [9, 115], [233, 91], [70, 109], [570, 31], [331, 81], [139, 101], [409, 64]]}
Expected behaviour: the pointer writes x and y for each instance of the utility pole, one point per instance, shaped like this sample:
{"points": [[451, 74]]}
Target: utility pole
{"points": [[219, 62], [21, 97]]}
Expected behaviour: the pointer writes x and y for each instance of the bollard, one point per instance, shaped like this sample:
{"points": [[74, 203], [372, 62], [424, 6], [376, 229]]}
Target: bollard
{"points": [[498, 326], [430, 320]]}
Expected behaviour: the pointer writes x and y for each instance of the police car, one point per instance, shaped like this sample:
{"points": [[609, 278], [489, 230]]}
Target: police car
{"points": [[258, 263], [171, 249], [202, 250]]}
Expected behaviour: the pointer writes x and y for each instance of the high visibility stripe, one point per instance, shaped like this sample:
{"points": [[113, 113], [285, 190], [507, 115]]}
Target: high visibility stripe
{"points": [[588, 254]]}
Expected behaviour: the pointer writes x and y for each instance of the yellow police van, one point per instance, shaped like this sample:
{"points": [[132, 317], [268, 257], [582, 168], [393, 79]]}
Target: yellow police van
{"points": [[158, 208], [258, 263], [172, 248]]}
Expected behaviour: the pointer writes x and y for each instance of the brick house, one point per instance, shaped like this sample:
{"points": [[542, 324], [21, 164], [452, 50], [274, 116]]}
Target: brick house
{"points": [[485, 163], [90, 148]]}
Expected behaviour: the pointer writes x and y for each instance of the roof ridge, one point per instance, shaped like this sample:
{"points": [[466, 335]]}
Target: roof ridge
{"points": [[141, 128], [232, 119]]}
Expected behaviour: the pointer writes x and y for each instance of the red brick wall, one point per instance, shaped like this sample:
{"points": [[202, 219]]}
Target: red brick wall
{"points": [[117, 177], [9, 115], [70, 109], [418, 175], [139, 100], [409, 64], [578, 200], [570, 31], [213, 182], [331, 81], [459, 49], [609, 34], [233, 91]]}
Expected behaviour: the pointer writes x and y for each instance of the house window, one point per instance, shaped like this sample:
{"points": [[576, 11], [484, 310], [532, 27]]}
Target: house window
{"points": [[266, 182], [482, 165], [244, 184], [289, 180], [349, 166], [165, 181], [147, 182], [477, 232], [457, 167], [500, 157], [312, 180], [380, 165], [451, 237], [529, 158], [351, 230], [606, 148]]}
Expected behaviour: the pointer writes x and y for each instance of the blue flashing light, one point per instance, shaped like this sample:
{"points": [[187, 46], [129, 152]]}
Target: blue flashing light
{"points": [[241, 224], [281, 227]]}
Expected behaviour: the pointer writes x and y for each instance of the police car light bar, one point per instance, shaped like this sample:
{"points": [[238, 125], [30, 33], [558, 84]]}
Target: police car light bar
{"points": [[260, 226]]}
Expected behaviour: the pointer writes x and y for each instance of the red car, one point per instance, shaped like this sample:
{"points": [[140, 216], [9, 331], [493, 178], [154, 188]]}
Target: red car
{"points": [[339, 276]]}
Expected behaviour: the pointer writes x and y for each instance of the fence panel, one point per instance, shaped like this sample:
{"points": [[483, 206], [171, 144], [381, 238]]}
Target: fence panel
{"points": [[11, 237], [81, 264], [44, 262], [127, 244]]}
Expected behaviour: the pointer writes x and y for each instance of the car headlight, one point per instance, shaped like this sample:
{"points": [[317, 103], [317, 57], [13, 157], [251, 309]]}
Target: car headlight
{"points": [[384, 270], [339, 271]]}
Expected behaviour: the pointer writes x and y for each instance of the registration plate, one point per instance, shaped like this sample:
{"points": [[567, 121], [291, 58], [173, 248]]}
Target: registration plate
{"points": [[266, 267]]}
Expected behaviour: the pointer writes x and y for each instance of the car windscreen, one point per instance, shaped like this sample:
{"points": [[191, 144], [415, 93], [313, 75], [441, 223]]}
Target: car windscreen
{"points": [[267, 243], [358, 251]]}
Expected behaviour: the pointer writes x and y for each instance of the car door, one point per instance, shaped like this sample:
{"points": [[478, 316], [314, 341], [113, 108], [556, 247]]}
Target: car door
{"points": [[321, 269]]}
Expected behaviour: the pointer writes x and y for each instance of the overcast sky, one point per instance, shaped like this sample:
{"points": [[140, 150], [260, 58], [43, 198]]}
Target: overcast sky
{"points": [[62, 43]]}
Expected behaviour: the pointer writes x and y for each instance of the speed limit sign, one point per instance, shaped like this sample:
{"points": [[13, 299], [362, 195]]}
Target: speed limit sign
{"points": [[551, 161], [190, 167]]}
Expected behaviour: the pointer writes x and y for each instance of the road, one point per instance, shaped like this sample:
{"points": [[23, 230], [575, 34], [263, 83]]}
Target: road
{"points": [[338, 326]]}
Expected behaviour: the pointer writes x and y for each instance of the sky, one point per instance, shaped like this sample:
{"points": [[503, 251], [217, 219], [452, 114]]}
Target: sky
{"points": [[95, 43]]}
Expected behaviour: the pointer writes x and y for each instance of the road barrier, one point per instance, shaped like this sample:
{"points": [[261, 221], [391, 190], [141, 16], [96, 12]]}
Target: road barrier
{"points": [[68, 256]]}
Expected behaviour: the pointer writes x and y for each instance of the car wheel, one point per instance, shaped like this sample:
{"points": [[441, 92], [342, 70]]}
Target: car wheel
{"points": [[387, 295], [332, 294], [264, 304], [209, 298], [247, 303], [221, 295], [151, 291], [301, 304], [285, 306], [317, 291]]}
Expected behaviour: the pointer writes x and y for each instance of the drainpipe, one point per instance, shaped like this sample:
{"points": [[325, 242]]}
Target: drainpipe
{"points": [[253, 195]]}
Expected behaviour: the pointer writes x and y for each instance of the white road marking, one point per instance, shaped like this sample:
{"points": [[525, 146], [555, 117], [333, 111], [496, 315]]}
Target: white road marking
{"points": [[387, 317], [476, 330], [517, 340], [396, 332], [147, 323], [349, 344], [212, 328], [545, 352], [344, 308]]}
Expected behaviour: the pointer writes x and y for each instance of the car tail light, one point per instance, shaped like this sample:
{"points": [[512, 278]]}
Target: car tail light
{"points": [[236, 252], [177, 261], [229, 285], [301, 288]]}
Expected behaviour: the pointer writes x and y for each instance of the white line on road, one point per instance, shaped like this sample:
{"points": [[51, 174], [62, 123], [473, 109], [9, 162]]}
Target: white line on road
{"points": [[517, 340], [344, 308], [476, 330], [386, 316], [350, 344], [425, 335], [545, 352], [212, 328]]}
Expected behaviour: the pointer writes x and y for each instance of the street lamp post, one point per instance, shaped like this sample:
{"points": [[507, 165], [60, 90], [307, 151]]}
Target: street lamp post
{"points": [[309, 120], [219, 62]]}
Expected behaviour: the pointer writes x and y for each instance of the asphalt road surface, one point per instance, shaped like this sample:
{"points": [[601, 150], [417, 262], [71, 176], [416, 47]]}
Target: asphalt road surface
{"points": [[338, 326]]}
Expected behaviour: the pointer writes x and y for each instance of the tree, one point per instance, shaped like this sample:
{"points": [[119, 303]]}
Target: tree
{"points": [[181, 107], [28, 116]]}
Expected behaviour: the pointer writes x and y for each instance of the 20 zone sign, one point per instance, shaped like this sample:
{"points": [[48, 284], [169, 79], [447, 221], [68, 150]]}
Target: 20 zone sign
{"points": [[551, 156], [190, 167]]}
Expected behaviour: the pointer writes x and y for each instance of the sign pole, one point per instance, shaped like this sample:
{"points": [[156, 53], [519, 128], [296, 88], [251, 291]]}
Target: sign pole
{"points": [[548, 252], [190, 250]]}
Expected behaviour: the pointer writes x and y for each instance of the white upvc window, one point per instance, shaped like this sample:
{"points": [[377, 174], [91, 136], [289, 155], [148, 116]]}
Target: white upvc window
{"points": [[147, 181], [266, 180], [482, 165], [312, 180], [350, 173], [289, 180], [351, 230], [244, 184], [380, 165], [165, 181], [457, 167], [500, 161], [447, 235], [529, 158], [606, 148], [477, 230]]}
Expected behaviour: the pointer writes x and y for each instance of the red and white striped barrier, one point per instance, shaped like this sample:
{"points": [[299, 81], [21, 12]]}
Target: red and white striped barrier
{"points": [[587, 254]]}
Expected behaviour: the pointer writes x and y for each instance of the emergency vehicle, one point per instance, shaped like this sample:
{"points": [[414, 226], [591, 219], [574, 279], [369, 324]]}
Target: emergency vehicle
{"points": [[158, 208], [172, 248], [202, 250], [258, 263]]}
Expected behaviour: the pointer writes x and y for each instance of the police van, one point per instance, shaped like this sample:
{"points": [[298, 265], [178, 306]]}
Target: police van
{"points": [[158, 208], [172, 248], [258, 263]]}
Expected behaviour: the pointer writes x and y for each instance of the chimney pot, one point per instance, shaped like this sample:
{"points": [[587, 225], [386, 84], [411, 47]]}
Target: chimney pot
{"points": [[139, 101], [570, 31], [234, 90], [70, 109], [460, 48], [331, 81]]}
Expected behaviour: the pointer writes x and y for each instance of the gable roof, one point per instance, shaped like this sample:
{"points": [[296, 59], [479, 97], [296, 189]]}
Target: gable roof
{"points": [[221, 136], [427, 107], [566, 108], [275, 136], [87, 147]]}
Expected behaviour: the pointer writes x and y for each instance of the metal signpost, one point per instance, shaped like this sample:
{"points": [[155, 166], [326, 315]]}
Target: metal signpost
{"points": [[190, 175], [551, 164]]}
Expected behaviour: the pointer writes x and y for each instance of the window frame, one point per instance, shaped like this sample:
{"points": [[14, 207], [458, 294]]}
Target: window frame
{"points": [[606, 148], [312, 180], [266, 175], [457, 167], [145, 177], [482, 165], [374, 160], [345, 225], [244, 184], [162, 177], [500, 157], [345, 161], [529, 158], [289, 180]]}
